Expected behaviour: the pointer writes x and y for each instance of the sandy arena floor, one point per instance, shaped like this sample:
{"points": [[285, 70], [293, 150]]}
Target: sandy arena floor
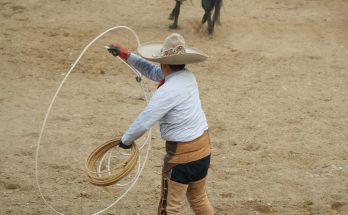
{"points": [[275, 92]]}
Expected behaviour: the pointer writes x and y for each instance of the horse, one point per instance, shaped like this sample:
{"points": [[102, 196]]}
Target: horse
{"points": [[208, 6]]}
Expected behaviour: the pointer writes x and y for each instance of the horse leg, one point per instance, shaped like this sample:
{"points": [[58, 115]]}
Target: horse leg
{"points": [[208, 6], [205, 6], [172, 14], [175, 14], [205, 17], [216, 16], [210, 26]]}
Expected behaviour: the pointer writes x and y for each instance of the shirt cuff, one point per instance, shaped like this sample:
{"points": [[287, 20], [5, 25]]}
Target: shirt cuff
{"points": [[124, 141]]}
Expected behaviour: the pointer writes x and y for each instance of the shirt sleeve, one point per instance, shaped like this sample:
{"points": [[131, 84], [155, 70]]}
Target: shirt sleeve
{"points": [[158, 106], [146, 68]]}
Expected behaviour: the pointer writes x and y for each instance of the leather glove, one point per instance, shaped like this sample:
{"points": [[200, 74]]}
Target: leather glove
{"points": [[124, 146], [117, 49]]}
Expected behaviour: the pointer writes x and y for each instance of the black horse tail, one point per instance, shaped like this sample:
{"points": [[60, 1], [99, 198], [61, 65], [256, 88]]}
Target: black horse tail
{"points": [[216, 16]]}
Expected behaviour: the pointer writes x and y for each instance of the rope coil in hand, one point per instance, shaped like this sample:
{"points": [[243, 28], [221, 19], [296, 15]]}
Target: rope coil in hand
{"points": [[109, 177]]}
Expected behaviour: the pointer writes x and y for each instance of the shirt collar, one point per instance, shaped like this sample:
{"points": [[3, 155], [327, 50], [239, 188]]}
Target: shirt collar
{"points": [[174, 74]]}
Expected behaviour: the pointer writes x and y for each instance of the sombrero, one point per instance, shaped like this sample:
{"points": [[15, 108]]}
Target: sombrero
{"points": [[172, 51]]}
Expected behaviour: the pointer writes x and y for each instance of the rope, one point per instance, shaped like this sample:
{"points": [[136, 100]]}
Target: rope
{"points": [[146, 142], [109, 177]]}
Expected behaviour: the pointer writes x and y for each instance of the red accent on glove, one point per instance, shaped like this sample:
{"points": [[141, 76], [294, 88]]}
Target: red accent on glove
{"points": [[123, 50]]}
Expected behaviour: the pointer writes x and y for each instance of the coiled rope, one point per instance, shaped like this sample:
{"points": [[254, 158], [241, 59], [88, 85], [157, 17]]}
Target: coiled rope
{"points": [[109, 177], [146, 142]]}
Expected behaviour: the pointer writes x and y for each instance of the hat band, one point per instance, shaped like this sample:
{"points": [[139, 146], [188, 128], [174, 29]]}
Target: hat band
{"points": [[173, 51]]}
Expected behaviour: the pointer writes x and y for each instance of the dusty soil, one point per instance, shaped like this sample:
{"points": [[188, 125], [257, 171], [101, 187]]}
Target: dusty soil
{"points": [[275, 92]]}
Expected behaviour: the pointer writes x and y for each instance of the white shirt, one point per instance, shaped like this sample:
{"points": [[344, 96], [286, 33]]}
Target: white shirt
{"points": [[175, 105]]}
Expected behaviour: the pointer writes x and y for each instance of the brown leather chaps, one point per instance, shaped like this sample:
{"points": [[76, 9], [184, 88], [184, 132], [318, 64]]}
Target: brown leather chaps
{"points": [[184, 176]]}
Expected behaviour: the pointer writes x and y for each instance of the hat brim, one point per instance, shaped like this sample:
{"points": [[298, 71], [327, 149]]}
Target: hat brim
{"points": [[151, 50]]}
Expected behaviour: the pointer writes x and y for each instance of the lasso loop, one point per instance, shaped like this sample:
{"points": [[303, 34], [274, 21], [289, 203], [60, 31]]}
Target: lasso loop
{"points": [[146, 142]]}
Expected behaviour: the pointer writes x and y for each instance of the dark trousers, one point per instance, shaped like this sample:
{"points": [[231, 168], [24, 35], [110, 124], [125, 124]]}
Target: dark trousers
{"points": [[190, 172]]}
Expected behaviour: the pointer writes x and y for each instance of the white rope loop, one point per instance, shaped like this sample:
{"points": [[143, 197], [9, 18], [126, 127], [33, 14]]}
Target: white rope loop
{"points": [[147, 141]]}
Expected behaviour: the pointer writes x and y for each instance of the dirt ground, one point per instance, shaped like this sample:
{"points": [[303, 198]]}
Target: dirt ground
{"points": [[275, 93]]}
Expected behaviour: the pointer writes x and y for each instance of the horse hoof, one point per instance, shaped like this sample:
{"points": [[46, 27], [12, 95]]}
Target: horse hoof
{"points": [[210, 35], [173, 26]]}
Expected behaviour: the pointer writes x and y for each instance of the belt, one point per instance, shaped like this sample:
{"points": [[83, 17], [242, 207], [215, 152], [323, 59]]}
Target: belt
{"points": [[185, 152]]}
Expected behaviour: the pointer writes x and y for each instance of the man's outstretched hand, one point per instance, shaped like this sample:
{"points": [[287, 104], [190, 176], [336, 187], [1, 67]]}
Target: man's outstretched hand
{"points": [[116, 49]]}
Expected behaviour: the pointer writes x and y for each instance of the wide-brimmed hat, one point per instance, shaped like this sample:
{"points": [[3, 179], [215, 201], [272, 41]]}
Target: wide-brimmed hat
{"points": [[172, 51]]}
